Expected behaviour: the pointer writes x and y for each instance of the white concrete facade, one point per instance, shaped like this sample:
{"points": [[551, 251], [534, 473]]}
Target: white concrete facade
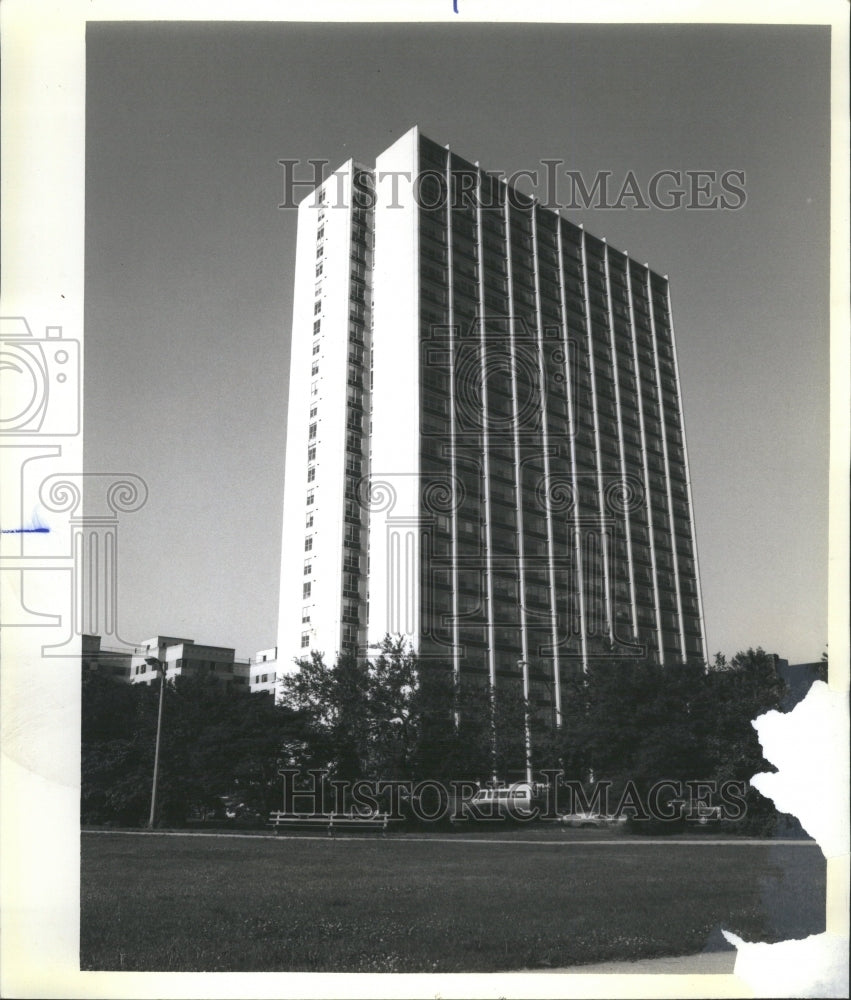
{"points": [[394, 536], [322, 605], [263, 673]]}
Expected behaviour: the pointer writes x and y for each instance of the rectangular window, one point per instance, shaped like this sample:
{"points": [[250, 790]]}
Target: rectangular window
{"points": [[312, 432], [311, 453], [310, 497], [353, 510], [308, 521], [350, 611], [319, 269], [305, 590], [317, 326], [313, 411], [316, 347], [305, 641], [352, 533], [308, 568], [314, 388], [311, 474], [321, 233], [305, 615], [317, 307], [314, 368]]}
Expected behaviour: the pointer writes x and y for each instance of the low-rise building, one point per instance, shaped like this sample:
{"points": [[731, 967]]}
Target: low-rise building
{"points": [[113, 663], [185, 657], [799, 678], [263, 672]]}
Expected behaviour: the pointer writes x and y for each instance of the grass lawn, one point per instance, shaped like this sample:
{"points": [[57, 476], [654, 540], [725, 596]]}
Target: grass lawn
{"points": [[160, 903]]}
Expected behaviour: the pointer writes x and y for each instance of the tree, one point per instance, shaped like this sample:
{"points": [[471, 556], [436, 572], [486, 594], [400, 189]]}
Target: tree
{"points": [[335, 701], [365, 716], [393, 717], [463, 730], [214, 744], [634, 720], [116, 762], [746, 687], [393, 682]]}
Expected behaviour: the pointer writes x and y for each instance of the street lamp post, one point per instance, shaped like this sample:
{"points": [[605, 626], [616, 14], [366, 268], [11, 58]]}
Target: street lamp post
{"points": [[492, 705], [527, 726], [161, 667]]}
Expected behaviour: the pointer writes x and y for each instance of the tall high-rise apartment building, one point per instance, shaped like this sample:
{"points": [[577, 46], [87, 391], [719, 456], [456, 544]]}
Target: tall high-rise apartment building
{"points": [[485, 445]]}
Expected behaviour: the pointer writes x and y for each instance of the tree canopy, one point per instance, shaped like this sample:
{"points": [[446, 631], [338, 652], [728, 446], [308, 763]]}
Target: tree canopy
{"points": [[214, 746], [392, 717]]}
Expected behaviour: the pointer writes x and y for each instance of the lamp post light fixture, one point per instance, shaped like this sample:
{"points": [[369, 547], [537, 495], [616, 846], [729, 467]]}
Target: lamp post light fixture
{"points": [[161, 666], [527, 726]]}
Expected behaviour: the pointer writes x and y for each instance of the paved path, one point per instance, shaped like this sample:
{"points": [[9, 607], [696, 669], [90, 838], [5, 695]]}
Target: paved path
{"points": [[712, 963], [461, 839]]}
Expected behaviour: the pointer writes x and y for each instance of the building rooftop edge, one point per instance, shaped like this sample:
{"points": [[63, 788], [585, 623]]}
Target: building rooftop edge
{"points": [[415, 130]]}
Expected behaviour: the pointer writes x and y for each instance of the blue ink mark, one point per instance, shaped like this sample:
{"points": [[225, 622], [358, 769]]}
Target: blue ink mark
{"points": [[455, 5], [36, 526]]}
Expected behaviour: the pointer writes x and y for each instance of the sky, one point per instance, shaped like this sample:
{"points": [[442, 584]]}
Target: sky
{"points": [[189, 270]]}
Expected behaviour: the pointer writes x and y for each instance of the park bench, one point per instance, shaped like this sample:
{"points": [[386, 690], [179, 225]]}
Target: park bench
{"points": [[332, 822]]}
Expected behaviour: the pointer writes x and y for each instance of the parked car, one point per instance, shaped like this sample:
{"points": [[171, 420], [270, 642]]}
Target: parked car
{"points": [[239, 813], [697, 811], [591, 819], [518, 801]]}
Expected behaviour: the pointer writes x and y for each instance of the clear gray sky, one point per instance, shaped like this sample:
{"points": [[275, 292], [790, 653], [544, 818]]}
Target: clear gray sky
{"points": [[189, 266]]}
